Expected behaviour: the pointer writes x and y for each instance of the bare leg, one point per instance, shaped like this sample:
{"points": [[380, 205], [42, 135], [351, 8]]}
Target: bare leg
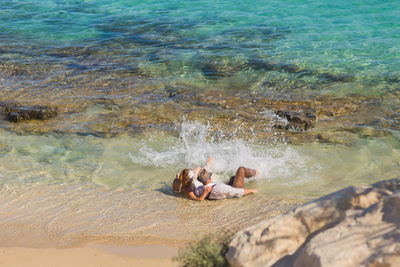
{"points": [[238, 180]]}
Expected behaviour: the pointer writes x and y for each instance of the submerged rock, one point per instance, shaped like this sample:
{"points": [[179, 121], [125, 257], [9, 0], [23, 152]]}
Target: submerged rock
{"points": [[16, 113], [356, 226], [234, 114], [11, 69], [297, 120]]}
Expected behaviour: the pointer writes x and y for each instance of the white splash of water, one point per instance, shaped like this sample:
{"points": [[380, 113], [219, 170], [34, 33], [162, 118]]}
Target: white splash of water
{"points": [[195, 145]]}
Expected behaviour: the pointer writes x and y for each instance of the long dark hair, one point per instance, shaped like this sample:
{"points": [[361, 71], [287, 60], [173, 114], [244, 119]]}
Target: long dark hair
{"points": [[184, 178]]}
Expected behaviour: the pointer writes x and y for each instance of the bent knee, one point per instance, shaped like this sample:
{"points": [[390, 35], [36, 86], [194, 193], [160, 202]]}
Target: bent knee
{"points": [[241, 168]]}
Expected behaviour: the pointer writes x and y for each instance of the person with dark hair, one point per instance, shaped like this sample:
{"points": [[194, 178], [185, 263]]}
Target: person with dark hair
{"points": [[184, 184]]}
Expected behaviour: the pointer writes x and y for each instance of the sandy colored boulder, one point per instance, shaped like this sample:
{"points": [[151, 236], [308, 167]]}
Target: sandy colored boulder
{"points": [[356, 226]]}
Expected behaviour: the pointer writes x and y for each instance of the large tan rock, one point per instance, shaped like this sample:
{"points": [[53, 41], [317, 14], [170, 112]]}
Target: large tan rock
{"points": [[351, 227]]}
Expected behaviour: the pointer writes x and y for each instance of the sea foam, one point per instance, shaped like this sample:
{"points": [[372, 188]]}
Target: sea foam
{"points": [[196, 144]]}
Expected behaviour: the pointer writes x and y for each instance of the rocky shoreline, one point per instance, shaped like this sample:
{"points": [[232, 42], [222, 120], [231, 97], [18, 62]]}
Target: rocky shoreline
{"points": [[355, 226], [242, 115]]}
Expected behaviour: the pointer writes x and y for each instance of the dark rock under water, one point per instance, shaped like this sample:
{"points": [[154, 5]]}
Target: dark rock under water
{"points": [[16, 113], [235, 114], [297, 120]]}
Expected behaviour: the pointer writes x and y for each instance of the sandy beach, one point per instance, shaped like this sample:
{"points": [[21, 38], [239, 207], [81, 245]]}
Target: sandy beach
{"points": [[90, 255]]}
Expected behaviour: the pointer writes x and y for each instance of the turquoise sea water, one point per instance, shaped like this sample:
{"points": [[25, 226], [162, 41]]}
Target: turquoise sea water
{"points": [[275, 42], [117, 64]]}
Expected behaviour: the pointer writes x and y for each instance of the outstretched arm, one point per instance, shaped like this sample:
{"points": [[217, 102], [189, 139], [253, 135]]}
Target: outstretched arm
{"points": [[196, 172], [207, 189], [207, 166]]}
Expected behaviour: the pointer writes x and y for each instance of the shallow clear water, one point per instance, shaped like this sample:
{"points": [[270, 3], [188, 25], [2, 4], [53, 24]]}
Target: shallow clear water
{"points": [[149, 163], [114, 66], [68, 190]]}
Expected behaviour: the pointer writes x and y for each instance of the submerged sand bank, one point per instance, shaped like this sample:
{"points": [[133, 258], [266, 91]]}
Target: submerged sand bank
{"points": [[90, 255]]}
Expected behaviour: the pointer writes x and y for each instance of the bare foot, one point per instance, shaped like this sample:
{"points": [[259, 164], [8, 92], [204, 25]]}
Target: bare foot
{"points": [[253, 191], [250, 191]]}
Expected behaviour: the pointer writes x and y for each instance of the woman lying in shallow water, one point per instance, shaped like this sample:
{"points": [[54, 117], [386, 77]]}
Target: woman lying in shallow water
{"points": [[184, 184]]}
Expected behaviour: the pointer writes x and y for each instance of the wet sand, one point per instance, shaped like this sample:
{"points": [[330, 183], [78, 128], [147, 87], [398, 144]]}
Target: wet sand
{"points": [[90, 255]]}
